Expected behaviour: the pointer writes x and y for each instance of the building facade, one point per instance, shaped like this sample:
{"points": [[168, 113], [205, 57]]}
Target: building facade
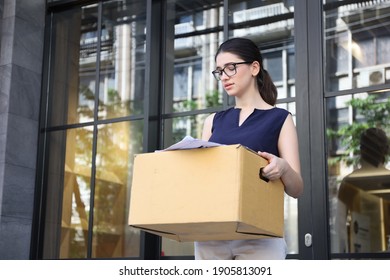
{"points": [[86, 85]]}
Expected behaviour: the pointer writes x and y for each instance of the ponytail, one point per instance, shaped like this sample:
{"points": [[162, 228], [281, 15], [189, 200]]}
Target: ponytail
{"points": [[266, 87]]}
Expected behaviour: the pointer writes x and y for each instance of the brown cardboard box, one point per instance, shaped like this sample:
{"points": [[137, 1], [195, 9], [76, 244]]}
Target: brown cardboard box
{"points": [[205, 194]]}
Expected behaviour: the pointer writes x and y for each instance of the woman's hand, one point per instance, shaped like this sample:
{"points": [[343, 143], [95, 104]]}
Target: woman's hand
{"points": [[279, 168], [276, 166]]}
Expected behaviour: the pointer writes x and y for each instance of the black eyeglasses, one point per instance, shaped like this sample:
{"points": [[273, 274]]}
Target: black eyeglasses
{"points": [[229, 69]]}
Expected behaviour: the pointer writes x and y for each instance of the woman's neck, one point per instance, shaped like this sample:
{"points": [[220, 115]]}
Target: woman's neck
{"points": [[251, 102]]}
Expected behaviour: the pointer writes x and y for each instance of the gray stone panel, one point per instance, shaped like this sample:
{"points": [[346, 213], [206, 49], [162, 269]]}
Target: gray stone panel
{"points": [[7, 41], [9, 8], [22, 142], [14, 238], [3, 107], [21, 57], [31, 11], [3, 139], [28, 45], [25, 93], [5, 79], [18, 192], [2, 166]]}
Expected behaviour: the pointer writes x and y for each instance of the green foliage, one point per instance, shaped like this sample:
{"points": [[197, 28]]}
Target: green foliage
{"points": [[213, 99], [371, 113]]}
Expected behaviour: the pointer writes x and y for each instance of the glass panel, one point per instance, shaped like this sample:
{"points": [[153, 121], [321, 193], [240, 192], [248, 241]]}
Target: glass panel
{"points": [[189, 84], [117, 145], [271, 25], [68, 194], [290, 204], [357, 44], [177, 128], [358, 128], [122, 61], [73, 78]]}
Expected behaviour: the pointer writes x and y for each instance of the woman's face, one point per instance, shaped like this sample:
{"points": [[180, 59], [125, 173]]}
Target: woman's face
{"points": [[244, 78]]}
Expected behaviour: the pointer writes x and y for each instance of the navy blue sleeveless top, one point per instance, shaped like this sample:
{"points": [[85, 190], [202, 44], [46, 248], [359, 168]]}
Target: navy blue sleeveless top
{"points": [[259, 132]]}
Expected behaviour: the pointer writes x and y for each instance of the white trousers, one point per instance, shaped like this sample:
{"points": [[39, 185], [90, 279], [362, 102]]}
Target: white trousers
{"points": [[253, 249]]}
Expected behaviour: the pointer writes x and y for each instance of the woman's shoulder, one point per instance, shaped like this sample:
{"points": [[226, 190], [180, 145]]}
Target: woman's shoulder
{"points": [[210, 117], [224, 111], [280, 110], [275, 111]]}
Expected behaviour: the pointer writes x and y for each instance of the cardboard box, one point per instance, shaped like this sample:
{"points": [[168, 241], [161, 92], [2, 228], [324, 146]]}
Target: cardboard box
{"points": [[205, 194]]}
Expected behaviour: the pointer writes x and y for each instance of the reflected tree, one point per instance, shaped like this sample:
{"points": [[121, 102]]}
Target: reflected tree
{"points": [[368, 112]]}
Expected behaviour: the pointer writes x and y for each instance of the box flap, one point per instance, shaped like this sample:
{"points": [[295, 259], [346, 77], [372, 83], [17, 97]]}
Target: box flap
{"points": [[190, 232]]}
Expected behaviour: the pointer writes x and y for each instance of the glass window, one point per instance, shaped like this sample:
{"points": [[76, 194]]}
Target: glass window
{"points": [[121, 48], [122, 59], [73, 73], [189, 84], [359, 172], [357, 56], [112, 236], [356, 44], [88, 59], [271, 25], [177, 128], [68, 191], [274, 64], [69, 181]]}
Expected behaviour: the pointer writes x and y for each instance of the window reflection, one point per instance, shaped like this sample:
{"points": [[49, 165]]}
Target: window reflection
{"points": [[73, 186], [76, 194], [121, 53], [122, 59], [189, 84], [177, 128], [68, 194], [359, 174], [117, 145], [271, 25], [360, 196], [73, 73], [357, 44]]}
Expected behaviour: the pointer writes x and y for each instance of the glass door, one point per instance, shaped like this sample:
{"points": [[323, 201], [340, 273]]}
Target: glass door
{"points": [[357, 83]]}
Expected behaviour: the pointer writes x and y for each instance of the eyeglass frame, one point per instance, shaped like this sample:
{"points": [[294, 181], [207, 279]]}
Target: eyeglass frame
{"points": [[219, 72]]}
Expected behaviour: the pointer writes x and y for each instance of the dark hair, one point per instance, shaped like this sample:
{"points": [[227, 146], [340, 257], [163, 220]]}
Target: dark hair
{"points": [[374, 146], [248, 51]]}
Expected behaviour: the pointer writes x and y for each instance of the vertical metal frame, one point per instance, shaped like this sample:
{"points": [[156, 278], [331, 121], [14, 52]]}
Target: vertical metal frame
{"points": [[95, 134], [37, 232], [305, 223], [225, 97], [151, 244], [310, 102]]}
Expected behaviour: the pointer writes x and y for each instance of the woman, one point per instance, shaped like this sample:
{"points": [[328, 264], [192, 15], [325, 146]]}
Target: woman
{"points": [[256, 123]]}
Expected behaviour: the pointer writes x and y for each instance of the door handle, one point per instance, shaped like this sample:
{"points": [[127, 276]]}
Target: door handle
{"points": [[308, 240]]}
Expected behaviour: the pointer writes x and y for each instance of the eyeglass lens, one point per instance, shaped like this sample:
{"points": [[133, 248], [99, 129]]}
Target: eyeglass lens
{"points": [[229, 70]]}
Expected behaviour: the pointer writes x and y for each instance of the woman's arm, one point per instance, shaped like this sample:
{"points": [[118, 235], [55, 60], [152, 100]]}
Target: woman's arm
{"points": [[207, 126], [287, 166]]}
